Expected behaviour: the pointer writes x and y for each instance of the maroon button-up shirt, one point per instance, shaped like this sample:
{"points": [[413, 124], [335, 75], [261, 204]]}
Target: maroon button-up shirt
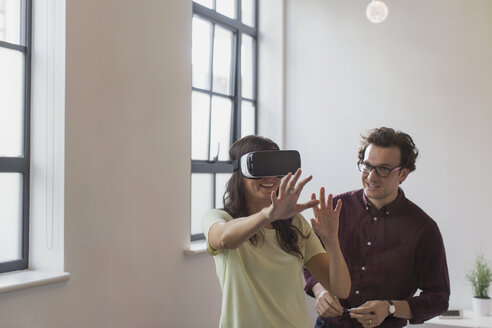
{"points": [[390, 253]]}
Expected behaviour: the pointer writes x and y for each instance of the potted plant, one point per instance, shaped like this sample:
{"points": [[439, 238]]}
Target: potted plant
{"points": [[480, 277]]}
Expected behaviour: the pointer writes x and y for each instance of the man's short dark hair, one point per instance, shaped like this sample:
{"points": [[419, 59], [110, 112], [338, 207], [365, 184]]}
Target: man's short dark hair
{"points": [[387, 137]]}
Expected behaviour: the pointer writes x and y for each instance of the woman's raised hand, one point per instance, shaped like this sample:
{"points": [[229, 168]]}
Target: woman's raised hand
{"points": [[285, 206], [325, 222]]}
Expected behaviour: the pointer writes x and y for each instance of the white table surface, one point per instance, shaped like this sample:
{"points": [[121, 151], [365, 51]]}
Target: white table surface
{"points": [[469, 320]]}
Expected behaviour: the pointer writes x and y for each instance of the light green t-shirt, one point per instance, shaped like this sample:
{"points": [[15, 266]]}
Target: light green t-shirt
{"points": [[262, 286]]}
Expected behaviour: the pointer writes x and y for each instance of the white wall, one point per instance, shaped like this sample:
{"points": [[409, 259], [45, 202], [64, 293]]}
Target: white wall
{"points": [[271, 70], [427, 71]]}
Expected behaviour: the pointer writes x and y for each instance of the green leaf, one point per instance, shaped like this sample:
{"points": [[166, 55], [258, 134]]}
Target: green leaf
{"points": [[480, 277]]}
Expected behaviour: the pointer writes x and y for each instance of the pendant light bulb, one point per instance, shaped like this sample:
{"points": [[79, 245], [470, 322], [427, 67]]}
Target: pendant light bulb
{"points": [[377, 11]]}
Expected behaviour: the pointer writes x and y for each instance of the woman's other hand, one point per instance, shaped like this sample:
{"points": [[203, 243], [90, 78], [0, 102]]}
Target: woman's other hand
{"points": [[326, 219]]}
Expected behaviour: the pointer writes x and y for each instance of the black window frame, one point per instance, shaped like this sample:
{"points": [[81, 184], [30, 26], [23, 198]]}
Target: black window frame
{"points": [[238, 28], [22, 164]]}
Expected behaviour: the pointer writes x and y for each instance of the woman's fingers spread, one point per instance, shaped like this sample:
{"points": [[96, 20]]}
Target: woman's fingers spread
{"points": [[293, 181], [313, 196], [306, 205], [284, 183], [302, 183], [339, 206], [322, 197], [316, 208], [330, 202]]}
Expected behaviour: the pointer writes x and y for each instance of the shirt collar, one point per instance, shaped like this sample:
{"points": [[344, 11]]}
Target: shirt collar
{"points": [[391, 207]]}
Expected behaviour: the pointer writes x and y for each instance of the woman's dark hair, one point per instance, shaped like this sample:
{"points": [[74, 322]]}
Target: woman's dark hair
{"points": [[235, 201], [387, 137]]}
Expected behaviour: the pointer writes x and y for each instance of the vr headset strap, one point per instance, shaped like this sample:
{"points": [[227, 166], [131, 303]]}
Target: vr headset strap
{"points": [[235, 165]]}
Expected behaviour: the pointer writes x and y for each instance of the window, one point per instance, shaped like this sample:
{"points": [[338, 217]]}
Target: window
{"points": [[15, 81], [32, 247], [224, 79]]}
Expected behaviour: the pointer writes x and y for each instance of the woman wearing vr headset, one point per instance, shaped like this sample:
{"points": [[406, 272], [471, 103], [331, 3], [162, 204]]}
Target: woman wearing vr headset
{"points": [[261, 243]]}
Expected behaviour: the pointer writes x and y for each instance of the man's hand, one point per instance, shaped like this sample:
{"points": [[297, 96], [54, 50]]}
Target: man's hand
{"points": [[370, 314], [328, 306]]}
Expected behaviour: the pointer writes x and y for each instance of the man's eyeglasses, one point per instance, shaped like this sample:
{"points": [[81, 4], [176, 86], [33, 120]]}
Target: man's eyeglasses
{"points": [[380, 170]]}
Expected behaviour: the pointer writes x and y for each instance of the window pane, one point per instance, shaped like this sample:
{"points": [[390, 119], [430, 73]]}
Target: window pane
{"points": [[10, 18], [220, 138], [222, 60], [201, 199], [200, 124], [247, 118], [247, 10], [11, 102], [206, 3], [247, 67], [227, 8], [10, 216], [200, 53], [220, 185]]}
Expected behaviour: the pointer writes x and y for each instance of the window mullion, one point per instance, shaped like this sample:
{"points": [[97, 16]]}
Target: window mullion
{"points": [[255, 77], [220, 19], [239, 10], [26, 32], [14, 164], [214, 191], [236, 62], [212, 93], [13, 46], [211, 76], [22, 164]]}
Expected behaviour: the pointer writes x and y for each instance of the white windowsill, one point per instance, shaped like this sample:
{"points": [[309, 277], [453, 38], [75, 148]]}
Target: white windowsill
{"points": [[196, 247], [29, 278]]}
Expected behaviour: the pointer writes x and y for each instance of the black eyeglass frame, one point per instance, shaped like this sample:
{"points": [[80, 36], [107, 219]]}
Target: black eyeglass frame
{"points": [[381, 171]]}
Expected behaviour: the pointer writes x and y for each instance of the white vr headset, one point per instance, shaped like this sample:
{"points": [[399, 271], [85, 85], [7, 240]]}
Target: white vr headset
{"points": [[268, 163]]}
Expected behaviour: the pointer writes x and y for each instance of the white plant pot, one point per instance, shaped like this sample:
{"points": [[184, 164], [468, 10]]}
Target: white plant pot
{"points": [[481, 306]]}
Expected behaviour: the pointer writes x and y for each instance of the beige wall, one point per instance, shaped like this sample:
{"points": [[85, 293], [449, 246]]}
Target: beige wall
{"points": [[128, 77]]}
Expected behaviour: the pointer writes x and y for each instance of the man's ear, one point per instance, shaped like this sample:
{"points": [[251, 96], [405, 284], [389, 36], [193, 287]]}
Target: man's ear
{"points": [[403, 174]]}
